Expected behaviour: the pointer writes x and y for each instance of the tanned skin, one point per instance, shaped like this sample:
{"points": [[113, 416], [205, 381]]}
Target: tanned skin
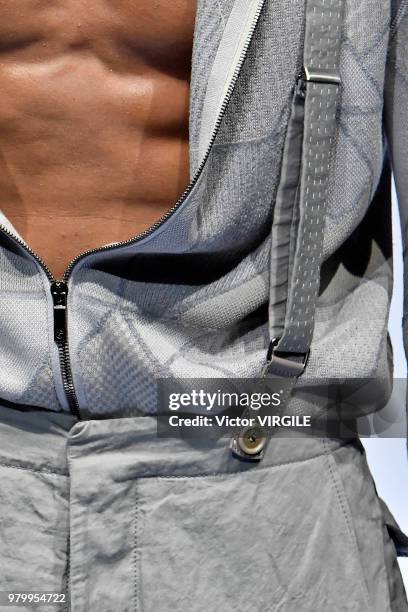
{"points": [[94, 101]]}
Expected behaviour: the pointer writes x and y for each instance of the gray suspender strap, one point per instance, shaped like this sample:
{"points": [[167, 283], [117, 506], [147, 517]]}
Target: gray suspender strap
{"points": [[300, 208]]}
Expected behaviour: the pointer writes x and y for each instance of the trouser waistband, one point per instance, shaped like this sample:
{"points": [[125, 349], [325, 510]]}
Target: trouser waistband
{"points": [[131, 447]]}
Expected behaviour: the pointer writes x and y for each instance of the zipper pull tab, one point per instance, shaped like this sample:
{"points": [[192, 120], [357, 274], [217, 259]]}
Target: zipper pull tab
{"points": [[59, 292]]}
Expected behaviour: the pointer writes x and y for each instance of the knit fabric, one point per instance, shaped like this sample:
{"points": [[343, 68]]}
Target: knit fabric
{"points": [[190, 300]]}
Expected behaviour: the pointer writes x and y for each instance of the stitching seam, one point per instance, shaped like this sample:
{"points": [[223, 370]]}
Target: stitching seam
{"points": [[136, 553], [342, 499], [29, 469], [238, 473]]}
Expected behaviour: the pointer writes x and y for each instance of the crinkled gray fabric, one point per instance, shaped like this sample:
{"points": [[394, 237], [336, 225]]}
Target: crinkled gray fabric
{"points": [[149, 530], [34, 502]]}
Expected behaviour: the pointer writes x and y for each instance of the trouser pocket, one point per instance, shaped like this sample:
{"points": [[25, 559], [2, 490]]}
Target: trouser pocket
{"points": [[34, 509], [33, 535], [377, 534], [163, 526]]}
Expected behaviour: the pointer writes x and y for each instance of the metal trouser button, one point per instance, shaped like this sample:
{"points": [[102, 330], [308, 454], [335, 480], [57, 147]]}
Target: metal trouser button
{"points": [[252, 440]]}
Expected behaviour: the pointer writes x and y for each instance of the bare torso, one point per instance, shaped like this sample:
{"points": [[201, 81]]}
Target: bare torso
{"points": [[93, 118]]}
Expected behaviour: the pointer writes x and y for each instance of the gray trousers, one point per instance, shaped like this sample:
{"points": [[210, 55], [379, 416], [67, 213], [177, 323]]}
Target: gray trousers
{"points": [[126, 521]]}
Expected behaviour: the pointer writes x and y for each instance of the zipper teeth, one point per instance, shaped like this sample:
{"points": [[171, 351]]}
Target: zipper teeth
{"points": [[185, 193], [63, 348], [67, 379], [199, 170], [21, 242]]}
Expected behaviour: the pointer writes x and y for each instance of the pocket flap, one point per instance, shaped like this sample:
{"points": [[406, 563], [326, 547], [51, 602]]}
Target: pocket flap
{"points": [[399, 538]]}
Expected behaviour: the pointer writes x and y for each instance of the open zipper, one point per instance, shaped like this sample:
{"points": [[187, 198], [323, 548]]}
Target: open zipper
{"points": [[59, 287], [59, 292]]}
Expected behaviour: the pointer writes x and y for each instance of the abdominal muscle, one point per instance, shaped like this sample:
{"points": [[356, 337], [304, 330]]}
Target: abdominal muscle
{"points": [[94, 111]]}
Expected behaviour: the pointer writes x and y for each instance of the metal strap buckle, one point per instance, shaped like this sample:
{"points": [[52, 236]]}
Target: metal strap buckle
{"points": [[285, 364], [321, 75]]}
